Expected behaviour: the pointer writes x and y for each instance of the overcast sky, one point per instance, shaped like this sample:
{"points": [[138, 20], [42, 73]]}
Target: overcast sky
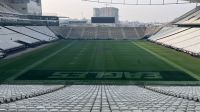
{"points": [[81, 9]]}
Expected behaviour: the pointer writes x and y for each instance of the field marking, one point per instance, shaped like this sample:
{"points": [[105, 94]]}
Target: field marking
{"points": [[38, 62], [169, 62]]}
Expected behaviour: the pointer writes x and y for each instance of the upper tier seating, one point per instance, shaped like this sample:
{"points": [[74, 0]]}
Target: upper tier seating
{"points": [[93, 98], [8, 35], [192, 19], [31, 33], [166, 31]]}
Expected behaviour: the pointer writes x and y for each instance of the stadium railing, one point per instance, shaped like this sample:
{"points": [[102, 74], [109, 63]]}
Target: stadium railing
{"points": [[33, 20]]}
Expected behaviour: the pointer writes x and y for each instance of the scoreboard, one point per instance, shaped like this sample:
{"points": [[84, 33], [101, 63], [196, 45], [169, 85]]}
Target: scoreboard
{"points": [[103, 19]]}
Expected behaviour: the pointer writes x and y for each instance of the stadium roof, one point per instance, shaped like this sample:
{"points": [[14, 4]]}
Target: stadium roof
{"points": [[145, 2], [194, 1]]}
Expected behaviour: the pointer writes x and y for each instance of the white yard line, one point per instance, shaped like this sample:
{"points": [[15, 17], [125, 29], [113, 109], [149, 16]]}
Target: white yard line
{"points": [[169, 62], [39, 62]]}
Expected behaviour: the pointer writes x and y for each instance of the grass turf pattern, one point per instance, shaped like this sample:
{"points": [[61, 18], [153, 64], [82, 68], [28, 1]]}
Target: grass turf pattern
{"points": [[96, 60]]}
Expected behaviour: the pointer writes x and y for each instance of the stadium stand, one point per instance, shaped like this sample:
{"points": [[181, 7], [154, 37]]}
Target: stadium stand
{"points": [[89, 33], [8, 35], [101, 33], [92, 98], [140, 31], [116, 33], [152, 29], [43, 30], [183, 34], [9, 46], [186, 92], [9, 93], [133, 33], [76, 33], [31, 33], [61, 31], [185, 39], [191, 18]]}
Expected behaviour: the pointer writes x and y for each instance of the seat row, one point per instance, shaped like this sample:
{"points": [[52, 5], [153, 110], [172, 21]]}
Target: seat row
{"points": [[102, 98], [192, 19], [186, 92], [15, 38], [10, 93], [101, 32], [184, 39]]}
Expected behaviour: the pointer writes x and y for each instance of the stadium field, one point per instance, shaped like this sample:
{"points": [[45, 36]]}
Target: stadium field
{"points": [[90, 60]]}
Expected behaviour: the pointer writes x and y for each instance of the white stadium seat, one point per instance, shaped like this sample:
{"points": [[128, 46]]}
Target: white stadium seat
{"points": [[94, 98], [8, 35], [43, 29], [91, 32], [15, 92], [31, 33], [186, 39], [8, 45]]}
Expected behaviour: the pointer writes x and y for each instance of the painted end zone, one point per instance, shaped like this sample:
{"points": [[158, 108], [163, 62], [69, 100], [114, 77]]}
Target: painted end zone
{"points": [[131, 75]]}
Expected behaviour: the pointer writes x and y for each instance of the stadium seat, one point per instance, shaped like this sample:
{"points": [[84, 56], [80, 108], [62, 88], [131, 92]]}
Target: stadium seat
{"points": [[9, 93], [186, 92], [8, 46], [85, 98], [43, 29], [31, 33], [8, 35], [185, 39]]}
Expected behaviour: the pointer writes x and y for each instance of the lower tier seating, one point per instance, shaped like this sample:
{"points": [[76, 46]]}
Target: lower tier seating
{"points": [[8, 46], [16, 38], [31, 33], [43, 29], [10, 93], [8, 35], [186, 39], [186, 92], [104, 98], [93, 32]]}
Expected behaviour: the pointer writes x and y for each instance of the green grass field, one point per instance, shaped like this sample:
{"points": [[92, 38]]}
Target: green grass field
{"points": [[91, 60]]}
